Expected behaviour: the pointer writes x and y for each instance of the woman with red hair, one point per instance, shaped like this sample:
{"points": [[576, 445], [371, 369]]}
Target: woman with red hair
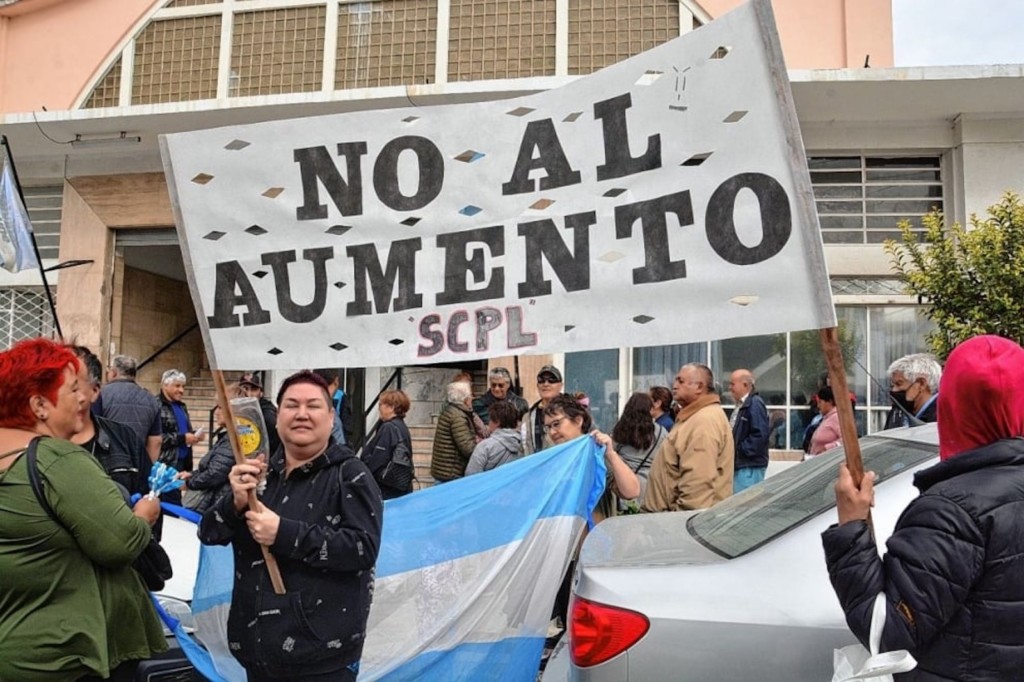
{"points": [[71, 606], [953, 576]]}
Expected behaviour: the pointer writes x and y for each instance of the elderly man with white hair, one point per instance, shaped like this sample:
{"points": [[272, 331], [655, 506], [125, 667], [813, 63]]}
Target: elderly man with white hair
{"points": [[454, 438], [178, 436], [914, 388]]}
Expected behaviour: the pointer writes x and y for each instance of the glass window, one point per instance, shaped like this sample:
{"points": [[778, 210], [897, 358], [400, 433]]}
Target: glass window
{"points": [[808, 370], [808, 364], [656, 365], [596, 373], [895, 331], [764, 356], [750, 519]]}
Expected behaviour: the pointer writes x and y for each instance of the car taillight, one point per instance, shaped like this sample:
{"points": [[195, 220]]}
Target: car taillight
{"points": [[598, 632]]}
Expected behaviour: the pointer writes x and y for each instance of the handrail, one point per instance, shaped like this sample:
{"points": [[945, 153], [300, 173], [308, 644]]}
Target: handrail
{"points": [[177, 337], [396, 376]]}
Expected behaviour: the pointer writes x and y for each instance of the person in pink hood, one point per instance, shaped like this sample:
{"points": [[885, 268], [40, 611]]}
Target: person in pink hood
{"points": [[953, 575]]}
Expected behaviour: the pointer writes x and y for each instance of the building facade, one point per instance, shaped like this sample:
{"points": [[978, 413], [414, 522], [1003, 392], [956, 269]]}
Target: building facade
{"points": [[86, 86]]}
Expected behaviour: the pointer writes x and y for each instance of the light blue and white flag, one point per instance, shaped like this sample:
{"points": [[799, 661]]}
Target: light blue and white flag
{"points": [[16, 249], [467, 574]]}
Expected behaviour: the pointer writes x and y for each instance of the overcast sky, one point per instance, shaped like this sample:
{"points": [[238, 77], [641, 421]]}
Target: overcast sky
{"points": [[946, 32]]}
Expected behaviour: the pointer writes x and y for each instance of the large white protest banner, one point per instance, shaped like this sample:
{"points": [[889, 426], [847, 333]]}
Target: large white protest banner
{"points": [[664, 199]]}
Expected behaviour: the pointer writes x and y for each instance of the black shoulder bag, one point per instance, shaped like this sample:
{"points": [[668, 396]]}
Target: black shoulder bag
{"points": [[399, 472], [153, 564]]}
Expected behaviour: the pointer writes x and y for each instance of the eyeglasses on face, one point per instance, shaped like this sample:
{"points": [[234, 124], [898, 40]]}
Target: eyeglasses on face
{"points": [[552, 425], [547, 380]]}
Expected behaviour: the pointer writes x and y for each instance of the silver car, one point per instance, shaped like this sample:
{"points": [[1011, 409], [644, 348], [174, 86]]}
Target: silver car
{"points": [[736, 592]]}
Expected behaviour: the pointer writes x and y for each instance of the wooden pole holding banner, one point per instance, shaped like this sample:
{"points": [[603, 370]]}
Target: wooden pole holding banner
{"points": [[847, 425], [236, 447]]}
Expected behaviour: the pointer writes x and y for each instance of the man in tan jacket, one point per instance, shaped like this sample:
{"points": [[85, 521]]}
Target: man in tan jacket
{"points": [[694, 467]]}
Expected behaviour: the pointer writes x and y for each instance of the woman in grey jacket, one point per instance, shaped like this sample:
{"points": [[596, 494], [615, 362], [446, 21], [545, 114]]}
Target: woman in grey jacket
{"points": [[505, 442]]}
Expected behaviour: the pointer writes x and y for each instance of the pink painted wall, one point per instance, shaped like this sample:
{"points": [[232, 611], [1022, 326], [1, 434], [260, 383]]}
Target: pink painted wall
{"points": [[828, 34], [50, 49]]}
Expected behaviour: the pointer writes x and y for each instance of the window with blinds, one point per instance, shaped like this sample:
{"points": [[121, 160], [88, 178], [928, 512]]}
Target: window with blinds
{"points": [[862, 199]]}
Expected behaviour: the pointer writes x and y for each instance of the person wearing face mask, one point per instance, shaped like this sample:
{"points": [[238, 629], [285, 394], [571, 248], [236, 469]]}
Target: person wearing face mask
{"points": [[914, 384]]}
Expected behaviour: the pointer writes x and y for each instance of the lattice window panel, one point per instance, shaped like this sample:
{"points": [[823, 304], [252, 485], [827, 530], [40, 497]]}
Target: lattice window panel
{"points": [[191, 3], [514, 39], [176, 60], [383, 44], [862, 199], [603, 32], [107, 92], [24, 314], [868, 287], [277, 51]]}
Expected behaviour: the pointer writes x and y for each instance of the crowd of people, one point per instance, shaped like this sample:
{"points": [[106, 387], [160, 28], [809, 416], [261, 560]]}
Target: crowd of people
{"points": [[69, 544]]}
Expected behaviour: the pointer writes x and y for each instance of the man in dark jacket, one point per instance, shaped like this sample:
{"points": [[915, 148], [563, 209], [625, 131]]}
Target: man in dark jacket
{"points": [[114, 445], [125, 402], [178, 436], [914, 389], [953, 576], [749, 421], [499, 383]]}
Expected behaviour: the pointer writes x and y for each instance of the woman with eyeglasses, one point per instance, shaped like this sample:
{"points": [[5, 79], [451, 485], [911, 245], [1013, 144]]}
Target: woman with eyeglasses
{"points": [[565, 419]]}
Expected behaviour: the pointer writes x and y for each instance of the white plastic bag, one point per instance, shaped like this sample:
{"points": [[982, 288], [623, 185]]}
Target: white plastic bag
{"points": [[854, 662]]}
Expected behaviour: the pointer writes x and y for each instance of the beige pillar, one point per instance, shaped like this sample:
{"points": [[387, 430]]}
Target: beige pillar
{"points": [[83, 295]]}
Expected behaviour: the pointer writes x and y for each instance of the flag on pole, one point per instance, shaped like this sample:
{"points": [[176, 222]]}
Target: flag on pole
{"points": [[17, 251], [467, 573]]}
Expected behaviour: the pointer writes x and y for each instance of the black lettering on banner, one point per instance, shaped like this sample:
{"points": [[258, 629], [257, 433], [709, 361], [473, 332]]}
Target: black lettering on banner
{"points": [[517, 337], [458, 318], [289, 309], [457, 265], [428, 332], [617, 161], [401, 268], [540, 148], [316, 164], [776, 219], [233, 289], [431, 173], [658, 264], [543, 241], [487, 320]]}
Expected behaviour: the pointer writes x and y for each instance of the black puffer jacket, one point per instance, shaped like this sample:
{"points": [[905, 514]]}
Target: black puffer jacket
{"points": [[326, 548], [953, 573]]}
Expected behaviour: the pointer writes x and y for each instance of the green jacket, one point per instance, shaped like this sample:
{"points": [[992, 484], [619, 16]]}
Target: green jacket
{"points": [[71, 604], [454, 441]]}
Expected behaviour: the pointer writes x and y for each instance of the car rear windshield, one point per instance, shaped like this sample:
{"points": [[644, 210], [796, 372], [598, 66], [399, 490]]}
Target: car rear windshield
{"points": [[748, 520]]}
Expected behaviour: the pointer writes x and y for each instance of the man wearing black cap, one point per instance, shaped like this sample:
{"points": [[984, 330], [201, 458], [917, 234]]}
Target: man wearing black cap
{"points": [[535, 436], [251, 386]]}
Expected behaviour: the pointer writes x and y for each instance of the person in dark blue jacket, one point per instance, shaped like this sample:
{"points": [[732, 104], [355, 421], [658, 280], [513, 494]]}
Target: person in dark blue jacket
{"points": [[953, 575], [749, 421]]}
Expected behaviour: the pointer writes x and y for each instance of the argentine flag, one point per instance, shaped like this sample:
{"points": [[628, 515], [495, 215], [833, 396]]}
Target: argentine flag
{"points": [[467, 573]]}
